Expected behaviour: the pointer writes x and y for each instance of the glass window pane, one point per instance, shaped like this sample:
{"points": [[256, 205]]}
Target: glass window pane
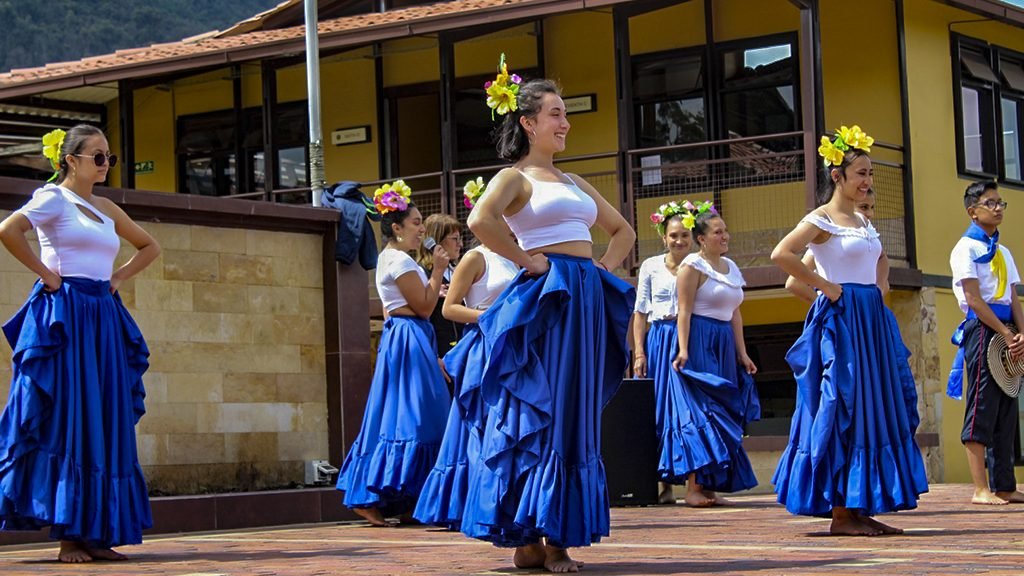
{"points": [[1013, 74], [206, 132], [229, 173], [1012, 139], [291, 167], [975, 64], [973, 138], [473, 128], [764, 66], [668, 77], [761, 112], [199, 177], [670, 122], [257, 175]]}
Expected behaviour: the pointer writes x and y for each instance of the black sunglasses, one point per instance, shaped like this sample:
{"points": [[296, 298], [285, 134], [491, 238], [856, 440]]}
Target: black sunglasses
{"points": [[101, 159]]}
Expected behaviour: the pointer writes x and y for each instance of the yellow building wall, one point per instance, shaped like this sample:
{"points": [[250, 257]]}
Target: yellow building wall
{"points": [[862, 86], [411, 61], [348, 99], [155, 138], [113, 132], [677, 26], [252, 86], [938, 189], [579, 50], [761, 307], [203, 93], [480, 55], [737, 19]]}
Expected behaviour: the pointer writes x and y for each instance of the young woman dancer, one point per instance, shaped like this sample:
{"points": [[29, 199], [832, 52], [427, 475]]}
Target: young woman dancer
{"points": [[655, 349], [711, 392], [556, 341], [67, 435], [404, 419], [851, 451]]}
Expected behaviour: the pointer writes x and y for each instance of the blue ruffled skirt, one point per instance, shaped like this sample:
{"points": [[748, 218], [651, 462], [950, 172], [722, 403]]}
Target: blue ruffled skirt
{"points": [[403, 422], [444, 493], [556, 353], [67, 435], [662, 345], [852, 439], [707, 406]]}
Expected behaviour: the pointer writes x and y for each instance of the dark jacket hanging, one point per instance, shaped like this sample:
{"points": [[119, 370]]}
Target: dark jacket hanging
{"points": [[355, 235]]}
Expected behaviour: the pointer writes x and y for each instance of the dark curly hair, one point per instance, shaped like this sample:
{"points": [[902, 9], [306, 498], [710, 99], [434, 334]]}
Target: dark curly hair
{"points": [[393, 217], [510, 137]]}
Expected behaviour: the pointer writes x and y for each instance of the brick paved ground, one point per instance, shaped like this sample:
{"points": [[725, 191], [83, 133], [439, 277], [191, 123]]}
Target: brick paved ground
{"points": [[944, 536]]}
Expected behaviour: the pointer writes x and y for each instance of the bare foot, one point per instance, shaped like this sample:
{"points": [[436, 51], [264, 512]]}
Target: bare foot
{"points": [[72, 553], [666, 496], [697, 499], [529, 556], [851, 527], [985, 496], [716, 499], [558, 561], [885, 528], [374, 517], [1015, 497], [105, 554], [848, 523]]}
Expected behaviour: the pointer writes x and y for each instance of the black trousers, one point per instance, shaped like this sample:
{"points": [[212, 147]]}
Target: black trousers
{"points": [[990, 416]]}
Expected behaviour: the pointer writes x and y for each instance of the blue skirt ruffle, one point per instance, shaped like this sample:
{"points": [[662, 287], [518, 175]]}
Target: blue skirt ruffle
{"points": [[707, 406], [444, 494], [556, 353], [662, 345], [403, 422], [852, 439], [67, 435]]}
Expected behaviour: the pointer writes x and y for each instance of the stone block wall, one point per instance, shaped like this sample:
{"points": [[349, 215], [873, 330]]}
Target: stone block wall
{"points": [[915, 312], [236, 391]]}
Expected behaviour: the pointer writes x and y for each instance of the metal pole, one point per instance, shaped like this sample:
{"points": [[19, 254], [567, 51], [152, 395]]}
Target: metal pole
{"points": [[317, 180]]}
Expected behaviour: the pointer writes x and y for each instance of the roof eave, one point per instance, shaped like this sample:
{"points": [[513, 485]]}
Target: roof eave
{"points": [[328, 40], [1000, 11]]}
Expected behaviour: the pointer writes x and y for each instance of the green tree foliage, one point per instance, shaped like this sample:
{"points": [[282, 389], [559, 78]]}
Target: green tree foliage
{"points": [[37, 33]]}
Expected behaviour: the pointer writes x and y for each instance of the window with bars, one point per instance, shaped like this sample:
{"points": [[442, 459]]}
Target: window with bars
{"points": [[988, 98]]}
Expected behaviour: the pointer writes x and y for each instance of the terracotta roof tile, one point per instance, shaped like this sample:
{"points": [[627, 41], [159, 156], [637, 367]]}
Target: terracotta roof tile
{"points": [[209, 44]]}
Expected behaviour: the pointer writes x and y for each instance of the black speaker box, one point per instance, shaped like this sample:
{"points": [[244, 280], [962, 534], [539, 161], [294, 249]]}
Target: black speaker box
{"points": [[629, 445]]}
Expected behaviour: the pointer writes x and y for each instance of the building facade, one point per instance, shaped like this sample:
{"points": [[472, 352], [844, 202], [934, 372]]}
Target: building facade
{"points": [[668, 99]]}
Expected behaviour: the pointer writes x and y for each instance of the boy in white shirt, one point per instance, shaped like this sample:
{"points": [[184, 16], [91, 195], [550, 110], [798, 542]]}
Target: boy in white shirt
{"points": [[984, 281]]}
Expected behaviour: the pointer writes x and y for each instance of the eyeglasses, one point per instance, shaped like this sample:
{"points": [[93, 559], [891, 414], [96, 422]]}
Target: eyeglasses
{"points": [[993, 204], [101, 159]]}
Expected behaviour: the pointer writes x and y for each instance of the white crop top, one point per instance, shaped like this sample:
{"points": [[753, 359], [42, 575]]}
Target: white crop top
{"points": [[498, 273], [849, 255], [70, 242], [392, 264], [656, 290], [720, 294], [556, 212]]}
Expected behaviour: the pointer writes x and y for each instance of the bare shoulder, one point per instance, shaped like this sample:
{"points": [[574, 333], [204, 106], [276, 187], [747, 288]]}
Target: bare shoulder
{"points": [[108, 206], [507, 176]]}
